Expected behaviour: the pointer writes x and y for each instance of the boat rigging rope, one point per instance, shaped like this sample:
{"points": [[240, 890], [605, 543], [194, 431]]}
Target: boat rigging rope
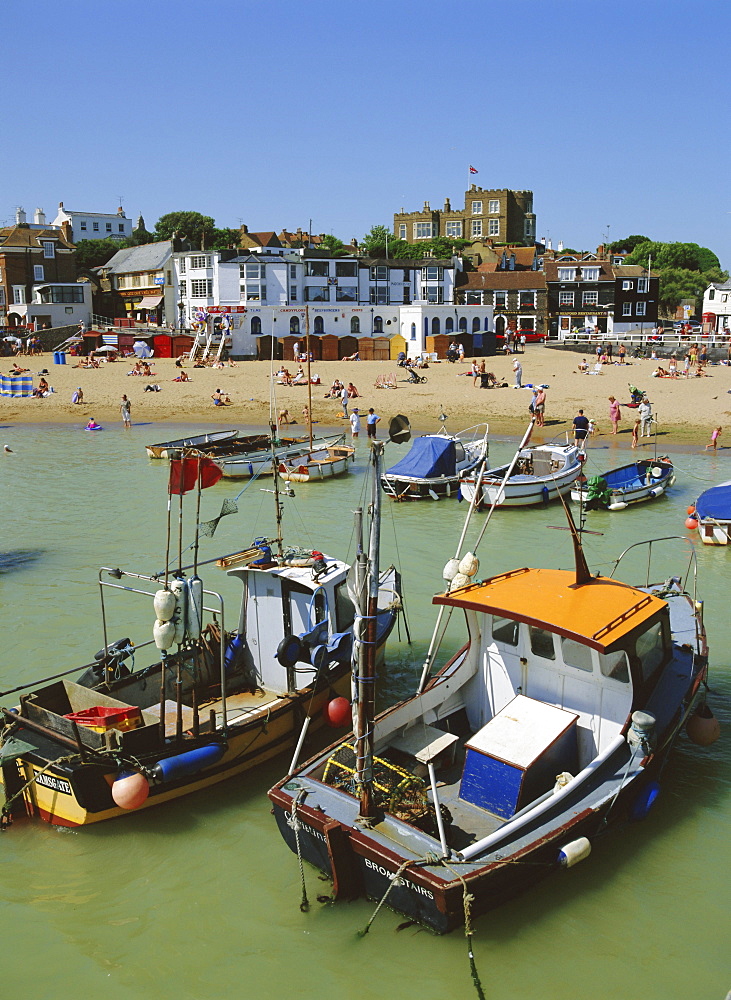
{"points": [[467, 901], [6, 814], [294, 823]]}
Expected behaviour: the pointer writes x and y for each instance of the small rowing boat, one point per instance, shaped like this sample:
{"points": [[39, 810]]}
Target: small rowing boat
{"points": [[539, 474], [201, 442], [645, 479], [326, 463]]}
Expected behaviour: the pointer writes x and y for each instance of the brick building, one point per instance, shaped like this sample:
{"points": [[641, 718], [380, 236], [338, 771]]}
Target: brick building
{"points": [[501, 214], [38, 277]]}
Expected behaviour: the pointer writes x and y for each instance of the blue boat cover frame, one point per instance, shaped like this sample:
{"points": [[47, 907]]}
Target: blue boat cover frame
{"points": [[715, 503], [429, 457]]}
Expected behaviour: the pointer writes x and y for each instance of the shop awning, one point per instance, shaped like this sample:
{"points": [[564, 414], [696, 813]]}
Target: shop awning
{"points": [[149, 302]]}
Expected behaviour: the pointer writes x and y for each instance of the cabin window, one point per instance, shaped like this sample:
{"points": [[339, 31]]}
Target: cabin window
{"points": [[541, 643], [344, 610], [615, 665], [505, 630], [576, 654], [650, 649]]}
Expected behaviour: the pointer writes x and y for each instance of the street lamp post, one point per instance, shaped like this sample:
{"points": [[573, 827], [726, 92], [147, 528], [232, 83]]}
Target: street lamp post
{"points": [[181, 309]]}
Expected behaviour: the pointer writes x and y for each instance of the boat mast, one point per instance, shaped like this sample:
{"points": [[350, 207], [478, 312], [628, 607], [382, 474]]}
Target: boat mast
{"points": [[309, 380], [278, 505], [366, 662]]}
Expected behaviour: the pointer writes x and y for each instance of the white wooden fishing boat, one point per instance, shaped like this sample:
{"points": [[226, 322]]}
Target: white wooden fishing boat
{"points": [[211, 695], [325, 463], [616, 489], [550, 723], [540, 474], [202, 442], [436, 464], [259, 463]]}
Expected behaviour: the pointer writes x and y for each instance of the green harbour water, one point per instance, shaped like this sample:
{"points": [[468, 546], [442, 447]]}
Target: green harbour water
{"points": [[200, 898]]}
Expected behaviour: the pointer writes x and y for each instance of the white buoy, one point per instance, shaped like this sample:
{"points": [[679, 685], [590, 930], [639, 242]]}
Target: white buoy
{"points": [[620, 505], [450, 570], [194, 607], [178, 588], [164, 605], [574, 852], [460, 580], [469, 564], [163, 634]]}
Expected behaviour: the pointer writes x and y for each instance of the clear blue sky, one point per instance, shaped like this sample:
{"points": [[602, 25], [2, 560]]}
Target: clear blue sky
{"points": [[616, 115]]}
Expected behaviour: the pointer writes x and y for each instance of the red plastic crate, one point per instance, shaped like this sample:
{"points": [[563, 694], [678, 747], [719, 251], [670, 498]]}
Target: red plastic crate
{"points": [[103, 717]]}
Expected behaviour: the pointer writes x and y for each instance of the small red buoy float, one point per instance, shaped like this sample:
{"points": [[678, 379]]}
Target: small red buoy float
{"points": [[703, 728], [130, 789], [691, 523], [691, 509], [336, 712]]}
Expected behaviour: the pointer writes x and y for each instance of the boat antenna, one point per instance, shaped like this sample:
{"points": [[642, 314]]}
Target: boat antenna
{"points": [[309, 380], [278, 504], [366, 665], [583, 573]]}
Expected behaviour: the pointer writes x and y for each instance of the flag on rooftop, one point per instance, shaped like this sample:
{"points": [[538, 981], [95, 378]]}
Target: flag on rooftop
{"points": [[472, 170]]}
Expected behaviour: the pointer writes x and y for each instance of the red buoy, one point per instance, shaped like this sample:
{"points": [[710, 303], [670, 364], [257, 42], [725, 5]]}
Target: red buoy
{"points": [[691, 523], [691, 509], [336, 712], [130, 789], [703, 728]]}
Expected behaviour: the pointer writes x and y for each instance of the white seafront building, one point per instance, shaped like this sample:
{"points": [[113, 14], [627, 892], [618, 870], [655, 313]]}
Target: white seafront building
{"points": [[374, 306]]}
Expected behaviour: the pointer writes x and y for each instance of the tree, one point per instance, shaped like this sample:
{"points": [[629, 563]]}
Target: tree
{"points": [[686, 256], [223, 239], [192, 226], [627, 244], [334, 245], [95, 253], [376, 241]]}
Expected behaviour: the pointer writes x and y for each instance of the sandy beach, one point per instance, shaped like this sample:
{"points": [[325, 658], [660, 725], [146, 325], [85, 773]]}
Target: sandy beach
{"points": [[687, 410]]}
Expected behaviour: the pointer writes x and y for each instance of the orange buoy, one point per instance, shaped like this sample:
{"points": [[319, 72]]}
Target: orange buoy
{"points": [[703, 728], [691, 523], [691, 509], [336, 712], [130, 789]]}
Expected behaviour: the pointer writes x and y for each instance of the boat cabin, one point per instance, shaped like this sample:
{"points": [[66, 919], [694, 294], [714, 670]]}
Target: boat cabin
{"points": [[291, 600], [592, 649]]}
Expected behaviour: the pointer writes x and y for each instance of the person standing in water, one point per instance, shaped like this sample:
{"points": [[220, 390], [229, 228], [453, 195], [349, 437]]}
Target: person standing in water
{"points": [[125, 408]]}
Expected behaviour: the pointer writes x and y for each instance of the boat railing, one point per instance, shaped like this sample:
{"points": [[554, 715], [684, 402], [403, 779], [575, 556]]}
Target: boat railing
{"points": [[691, 568], [118, 574], [474, 433]]}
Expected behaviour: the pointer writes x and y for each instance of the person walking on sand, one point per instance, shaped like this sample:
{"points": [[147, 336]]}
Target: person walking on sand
{"points": [[125, 408], [622, 352], [636, 433], [344, 401], [714, 439], [355, 422], [615, 414], [581, 429], [518, 372]]}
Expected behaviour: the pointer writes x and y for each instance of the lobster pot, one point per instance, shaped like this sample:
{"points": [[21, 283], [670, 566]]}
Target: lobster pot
{"points": [[515, 758]]}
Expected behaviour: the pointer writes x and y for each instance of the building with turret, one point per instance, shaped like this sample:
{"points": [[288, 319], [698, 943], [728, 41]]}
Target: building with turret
{"points": [[501, 215]]}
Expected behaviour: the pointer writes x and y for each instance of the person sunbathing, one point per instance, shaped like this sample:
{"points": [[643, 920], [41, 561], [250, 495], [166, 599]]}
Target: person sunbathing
{"points": [[583, 367], [352, 391], [17, 370], [183, 377]]}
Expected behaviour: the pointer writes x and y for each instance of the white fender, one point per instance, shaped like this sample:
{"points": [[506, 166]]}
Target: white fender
{"points": [[194, 607], [164, 605], [178, 588], [163, 634]]}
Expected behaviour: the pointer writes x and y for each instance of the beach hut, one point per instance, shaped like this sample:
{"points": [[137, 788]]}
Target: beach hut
{"points": [[329, 347], [266, 345], [381, 348], [348, 346], [395, 345]]}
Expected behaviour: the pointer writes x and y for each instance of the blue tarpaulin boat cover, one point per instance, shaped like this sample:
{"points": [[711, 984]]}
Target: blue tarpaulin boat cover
{"points": [[715, 502], [429, 457]]}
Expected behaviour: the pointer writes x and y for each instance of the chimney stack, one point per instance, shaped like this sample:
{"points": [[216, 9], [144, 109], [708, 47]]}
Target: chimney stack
{"points": [[39, 217], [20, 216]]}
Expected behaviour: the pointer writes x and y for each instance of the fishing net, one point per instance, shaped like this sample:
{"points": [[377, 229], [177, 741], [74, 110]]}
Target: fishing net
{"points": [[208, 528]]}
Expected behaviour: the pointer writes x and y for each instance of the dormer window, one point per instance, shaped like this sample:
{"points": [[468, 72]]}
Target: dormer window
{"points": [[590, 273], [567, 274]]}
